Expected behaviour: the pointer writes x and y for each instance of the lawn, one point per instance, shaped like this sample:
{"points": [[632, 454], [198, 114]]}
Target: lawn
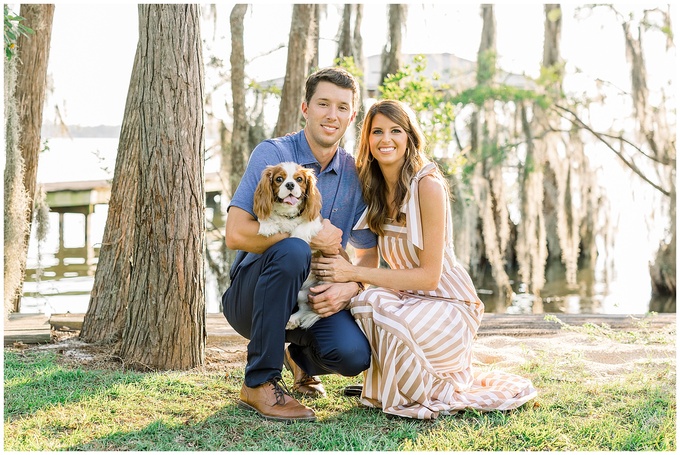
{"points": [[54, 404]]}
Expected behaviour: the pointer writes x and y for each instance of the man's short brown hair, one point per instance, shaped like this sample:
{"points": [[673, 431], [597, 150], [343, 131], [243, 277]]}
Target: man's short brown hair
{"points": [[335, 75]]}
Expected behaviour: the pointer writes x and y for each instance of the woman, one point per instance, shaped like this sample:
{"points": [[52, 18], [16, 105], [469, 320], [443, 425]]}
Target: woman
{"points": [[423, 313]]}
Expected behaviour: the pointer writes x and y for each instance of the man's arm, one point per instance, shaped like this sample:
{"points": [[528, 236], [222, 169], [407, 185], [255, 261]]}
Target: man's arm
{"points": [[241, 233]]}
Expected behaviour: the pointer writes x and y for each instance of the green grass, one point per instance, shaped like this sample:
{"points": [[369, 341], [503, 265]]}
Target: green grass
{"points": [[51, 406]]}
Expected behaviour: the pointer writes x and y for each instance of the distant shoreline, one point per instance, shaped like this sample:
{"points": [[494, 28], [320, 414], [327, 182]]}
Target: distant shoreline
{"points": [[49, 131]]}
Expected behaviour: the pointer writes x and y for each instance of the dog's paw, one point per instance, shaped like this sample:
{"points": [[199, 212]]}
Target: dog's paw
{"points": [[293, 322], [308, 320], [307, 231], [301, 234], [267, 230]]}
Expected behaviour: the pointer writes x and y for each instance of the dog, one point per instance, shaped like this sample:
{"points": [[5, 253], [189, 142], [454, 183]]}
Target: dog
{"points": [[287, 200]]}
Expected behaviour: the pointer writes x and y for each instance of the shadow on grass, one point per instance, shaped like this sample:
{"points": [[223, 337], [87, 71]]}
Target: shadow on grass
{"points": [[233, 429], [35, 381]]}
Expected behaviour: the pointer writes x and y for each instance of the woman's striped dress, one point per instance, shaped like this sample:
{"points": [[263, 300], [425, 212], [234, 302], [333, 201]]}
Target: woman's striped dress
{"points": [[422, 341]]}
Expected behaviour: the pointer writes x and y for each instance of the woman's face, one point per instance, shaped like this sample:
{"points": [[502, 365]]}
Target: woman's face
{"points": [[387, 141]]}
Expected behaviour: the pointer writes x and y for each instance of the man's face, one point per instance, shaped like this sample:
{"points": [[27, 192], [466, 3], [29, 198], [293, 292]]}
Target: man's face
{"points": [[328, 114]]}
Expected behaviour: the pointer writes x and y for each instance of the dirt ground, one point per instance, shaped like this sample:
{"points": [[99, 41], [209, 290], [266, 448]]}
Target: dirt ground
{"points": [[76, 353], [604, 356]]}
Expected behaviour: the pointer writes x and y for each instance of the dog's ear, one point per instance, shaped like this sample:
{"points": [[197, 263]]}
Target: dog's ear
{"points": [[312, 197], [263, 199]]}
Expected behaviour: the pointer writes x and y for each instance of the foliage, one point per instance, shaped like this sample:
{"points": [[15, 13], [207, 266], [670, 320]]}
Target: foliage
{"points": [[550, 76], [436, 106], [432, 104], [265, 90], [486, 66], [13, 29], [504, 93], [350, 65]]}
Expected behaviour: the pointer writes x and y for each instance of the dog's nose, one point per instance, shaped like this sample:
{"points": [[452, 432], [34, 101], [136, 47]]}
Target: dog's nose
{"points": [[290, 186]]}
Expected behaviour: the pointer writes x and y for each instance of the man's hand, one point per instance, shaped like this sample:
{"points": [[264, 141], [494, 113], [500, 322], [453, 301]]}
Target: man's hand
{"points": [[326, 299], [328, 240]]}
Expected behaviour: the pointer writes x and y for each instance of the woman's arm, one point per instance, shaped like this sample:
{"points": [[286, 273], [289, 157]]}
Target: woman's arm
{"points": [[433, 200]]}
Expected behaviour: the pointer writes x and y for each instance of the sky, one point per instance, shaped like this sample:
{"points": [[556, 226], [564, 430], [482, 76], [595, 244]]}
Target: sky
{"points": [[93, 46]]}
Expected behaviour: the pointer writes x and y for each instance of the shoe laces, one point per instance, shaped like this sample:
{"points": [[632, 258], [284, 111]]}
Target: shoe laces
{"points": [[307, 380], [280, 390]]}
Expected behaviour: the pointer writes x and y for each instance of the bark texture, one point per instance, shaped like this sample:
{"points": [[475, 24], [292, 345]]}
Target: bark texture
{"points": [[350, 44], [165, 318], [391, 56], [300, 49], [531, 248], [105, 317], [14, 194], [487, 179], [33, 57], [240, 150]]}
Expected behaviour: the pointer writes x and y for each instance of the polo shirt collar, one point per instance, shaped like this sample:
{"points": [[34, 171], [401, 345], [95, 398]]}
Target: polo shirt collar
{"points": [[306, 157]]}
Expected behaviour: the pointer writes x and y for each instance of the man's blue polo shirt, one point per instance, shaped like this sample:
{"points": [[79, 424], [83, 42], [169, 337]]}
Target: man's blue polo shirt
{"points": [[342, 203]]}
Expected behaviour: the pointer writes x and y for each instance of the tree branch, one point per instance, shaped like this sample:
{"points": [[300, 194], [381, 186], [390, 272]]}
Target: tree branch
{"points": [[603, 138]]}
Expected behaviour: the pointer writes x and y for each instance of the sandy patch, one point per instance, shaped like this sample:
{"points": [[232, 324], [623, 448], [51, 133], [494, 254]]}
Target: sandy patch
{"points": [[601, 358]]}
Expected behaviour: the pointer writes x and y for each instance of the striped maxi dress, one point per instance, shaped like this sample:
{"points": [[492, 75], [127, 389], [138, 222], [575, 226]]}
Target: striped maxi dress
{"points": [[421, 342]]}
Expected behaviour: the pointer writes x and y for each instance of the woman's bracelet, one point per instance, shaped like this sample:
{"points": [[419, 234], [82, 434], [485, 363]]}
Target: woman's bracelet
{"points": [[361, 287]]}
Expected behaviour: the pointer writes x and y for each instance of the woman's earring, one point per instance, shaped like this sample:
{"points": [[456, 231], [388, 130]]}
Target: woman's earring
{"points": [[370, 158]]}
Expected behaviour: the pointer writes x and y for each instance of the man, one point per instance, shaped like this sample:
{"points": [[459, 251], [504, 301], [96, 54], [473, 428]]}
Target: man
{"points": [[265, 281]]}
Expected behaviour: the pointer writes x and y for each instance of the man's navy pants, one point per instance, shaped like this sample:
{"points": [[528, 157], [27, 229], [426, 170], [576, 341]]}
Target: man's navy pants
{"points": [[258, 304]]}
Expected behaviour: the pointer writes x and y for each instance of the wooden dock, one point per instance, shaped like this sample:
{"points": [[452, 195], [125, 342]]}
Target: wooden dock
{"points": [[37, 328]]}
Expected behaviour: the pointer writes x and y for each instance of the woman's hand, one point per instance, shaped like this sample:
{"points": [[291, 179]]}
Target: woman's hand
{"points": [[333, 269]]}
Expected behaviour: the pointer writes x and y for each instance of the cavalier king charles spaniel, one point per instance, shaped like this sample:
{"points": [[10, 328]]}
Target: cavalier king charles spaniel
{"points": [[287, 200]]}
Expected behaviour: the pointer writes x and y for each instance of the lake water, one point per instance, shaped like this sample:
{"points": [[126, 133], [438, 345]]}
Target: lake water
{"points": [[618, 283]]}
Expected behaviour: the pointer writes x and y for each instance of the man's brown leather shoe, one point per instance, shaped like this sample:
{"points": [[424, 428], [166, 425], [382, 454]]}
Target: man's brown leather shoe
{"points": [[272, 401], [305, 384]]}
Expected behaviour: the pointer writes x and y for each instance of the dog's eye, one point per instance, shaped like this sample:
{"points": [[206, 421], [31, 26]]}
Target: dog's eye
{"points": [[299, 179], [278, 179]]}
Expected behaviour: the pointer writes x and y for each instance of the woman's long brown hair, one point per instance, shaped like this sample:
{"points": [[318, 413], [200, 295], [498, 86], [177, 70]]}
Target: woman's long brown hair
{"points": [[373, 185]]}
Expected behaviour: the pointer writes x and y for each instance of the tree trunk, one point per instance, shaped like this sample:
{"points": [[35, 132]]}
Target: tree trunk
{"points": [[239, 141], [487, 180], [33, 56], [105, 318], [360, 61], [569, 185], [350, 44], [165, 320], [554, 178], [531, 247], [532, 244], [659, 141], [391, 56], [357, 39], [236, 149], [14, 194], [345, 33], [299, 55], [315, 37]]}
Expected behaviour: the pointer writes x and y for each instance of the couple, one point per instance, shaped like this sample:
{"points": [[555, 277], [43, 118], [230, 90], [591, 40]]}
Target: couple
{"points": [[412, 331]]}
